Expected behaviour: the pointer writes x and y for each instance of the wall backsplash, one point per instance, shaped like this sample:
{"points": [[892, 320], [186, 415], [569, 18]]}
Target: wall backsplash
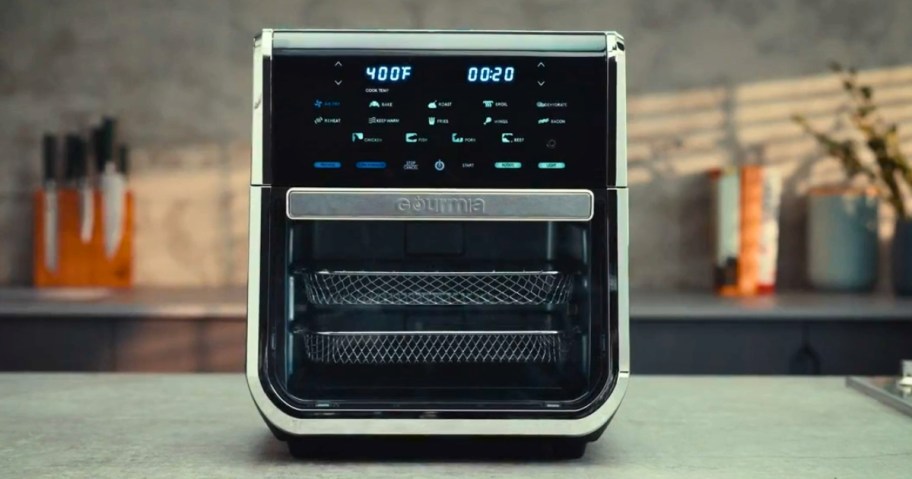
{"points": [[711, 83], [192, 215]]}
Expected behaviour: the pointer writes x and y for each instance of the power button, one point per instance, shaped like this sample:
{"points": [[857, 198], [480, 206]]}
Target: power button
{"points": [[439, 165]]}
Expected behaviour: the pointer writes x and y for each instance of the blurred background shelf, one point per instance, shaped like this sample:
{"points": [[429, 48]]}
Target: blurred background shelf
{"points": [[143, 303], [203, 329], [789, 333], [230, 304], [792, 306]]}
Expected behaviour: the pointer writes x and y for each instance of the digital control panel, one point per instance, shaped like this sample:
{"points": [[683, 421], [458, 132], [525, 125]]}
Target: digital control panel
{"points": [[439, 120]]}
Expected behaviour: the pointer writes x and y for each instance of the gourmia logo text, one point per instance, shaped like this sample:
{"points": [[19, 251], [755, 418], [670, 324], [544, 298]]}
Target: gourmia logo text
{"points": [[441, 205]]}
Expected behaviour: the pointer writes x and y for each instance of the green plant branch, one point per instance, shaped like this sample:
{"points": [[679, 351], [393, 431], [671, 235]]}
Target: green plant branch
{"points": [[845, 150], [891, 167]]}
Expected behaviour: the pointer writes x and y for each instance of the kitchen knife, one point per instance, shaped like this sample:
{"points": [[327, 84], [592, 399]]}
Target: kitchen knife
{"points": [[113, 190], [51, 233], [77, 175]]}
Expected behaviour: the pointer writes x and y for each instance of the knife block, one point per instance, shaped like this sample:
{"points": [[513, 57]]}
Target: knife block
{"points": [[82, 261]]}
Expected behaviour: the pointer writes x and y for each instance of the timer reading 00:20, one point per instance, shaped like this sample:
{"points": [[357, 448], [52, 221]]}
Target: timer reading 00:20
{"points": [[490, 74]]}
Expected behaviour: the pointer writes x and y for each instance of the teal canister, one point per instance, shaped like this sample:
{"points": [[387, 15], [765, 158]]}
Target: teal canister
{"points": [[842, 239], [901, 260]]}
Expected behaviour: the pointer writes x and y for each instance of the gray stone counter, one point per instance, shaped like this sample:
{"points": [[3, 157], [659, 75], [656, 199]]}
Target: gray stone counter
{"points": [[175, 426]]}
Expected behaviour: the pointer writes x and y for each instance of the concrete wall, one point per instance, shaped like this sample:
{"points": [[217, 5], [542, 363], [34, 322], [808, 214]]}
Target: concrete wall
{"points": [[712, 81]]}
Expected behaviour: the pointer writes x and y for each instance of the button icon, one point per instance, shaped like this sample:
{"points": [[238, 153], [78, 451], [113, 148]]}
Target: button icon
{"points": [[550, 104], [541, 83], [432, 120], [506, 137], [410, 165], [370, 165], [508, 165], [318, 103], [318, 120], [327, 165], [487, 120], [374, 104], [411, 137], [542, 121], [488, 103], [432, 105], [551, 144], [552, 165], [357, 136], [439, 165], [456, 138]]}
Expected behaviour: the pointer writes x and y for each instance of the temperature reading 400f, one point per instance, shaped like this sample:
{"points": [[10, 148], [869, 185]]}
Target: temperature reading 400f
{"points": [[388, 72]]}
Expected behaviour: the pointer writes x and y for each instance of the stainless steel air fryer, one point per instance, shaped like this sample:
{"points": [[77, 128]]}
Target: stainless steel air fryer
{"points": [[438, 235]]}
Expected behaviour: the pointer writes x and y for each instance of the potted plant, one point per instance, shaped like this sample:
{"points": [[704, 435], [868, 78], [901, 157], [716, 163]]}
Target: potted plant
{"points": [[842, 219]]}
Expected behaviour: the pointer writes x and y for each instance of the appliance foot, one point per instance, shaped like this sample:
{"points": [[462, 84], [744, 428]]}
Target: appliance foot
{"points": [[569, 448], [415, 447], [304, 448]]}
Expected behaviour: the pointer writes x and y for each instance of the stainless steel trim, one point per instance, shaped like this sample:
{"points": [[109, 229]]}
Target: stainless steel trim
{"points": [[438, 204], [621, 118], [254, 249], [868, 387], [439, 273], [262, 47], [623, 245], [612, 39], [442, 40], [268, 36], [431, 427], [435, 332], [615, 40]]}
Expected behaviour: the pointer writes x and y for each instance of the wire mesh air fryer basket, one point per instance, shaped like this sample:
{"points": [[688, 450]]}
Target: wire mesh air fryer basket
{"points": [[425, 347], [436, 288]]}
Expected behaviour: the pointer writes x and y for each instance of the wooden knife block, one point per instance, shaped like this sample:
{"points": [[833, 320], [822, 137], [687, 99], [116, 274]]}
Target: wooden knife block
{"points": [[79, 262]]}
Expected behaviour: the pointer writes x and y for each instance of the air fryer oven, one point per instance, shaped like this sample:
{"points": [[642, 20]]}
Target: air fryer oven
{"points": [[438, 234]]}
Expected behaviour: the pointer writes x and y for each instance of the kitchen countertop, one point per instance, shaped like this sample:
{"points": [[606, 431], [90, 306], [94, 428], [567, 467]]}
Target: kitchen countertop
{"points": [[174, 426], [230, 303]]}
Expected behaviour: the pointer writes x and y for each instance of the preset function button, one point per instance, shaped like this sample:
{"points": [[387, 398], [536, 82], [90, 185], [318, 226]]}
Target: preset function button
{"points": [[507, 165], [370, 165], [328, 165]]}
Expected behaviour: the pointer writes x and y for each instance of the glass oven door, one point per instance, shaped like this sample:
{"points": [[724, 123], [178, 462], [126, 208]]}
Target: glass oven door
{"points": [[439, 300]]}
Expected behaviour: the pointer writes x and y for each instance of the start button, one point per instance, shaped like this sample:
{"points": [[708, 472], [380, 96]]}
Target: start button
{"points": [[551, 165]]}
